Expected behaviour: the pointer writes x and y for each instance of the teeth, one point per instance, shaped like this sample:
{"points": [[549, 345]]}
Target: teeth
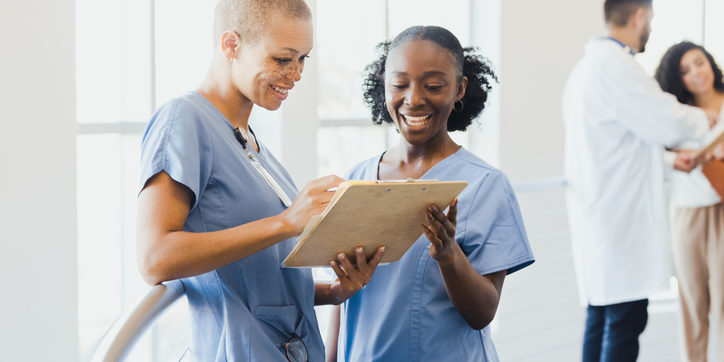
{"points": [[417, 121], [280, 90]]}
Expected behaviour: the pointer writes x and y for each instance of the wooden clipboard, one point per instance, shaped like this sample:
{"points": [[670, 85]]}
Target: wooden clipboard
{"points": [[710, 146], [371, 214]]}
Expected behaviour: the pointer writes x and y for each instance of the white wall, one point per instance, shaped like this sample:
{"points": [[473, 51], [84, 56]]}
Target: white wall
{"points": [[540, 43], [38, 319]]}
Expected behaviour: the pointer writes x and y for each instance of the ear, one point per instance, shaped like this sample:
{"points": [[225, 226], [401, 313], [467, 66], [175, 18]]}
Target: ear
{"points": [[462, 86], [638, 19], [230, 42]]}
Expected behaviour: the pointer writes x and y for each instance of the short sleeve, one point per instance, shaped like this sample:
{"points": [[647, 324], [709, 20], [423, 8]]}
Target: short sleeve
{"points": [[494, 236], [174, 142]]}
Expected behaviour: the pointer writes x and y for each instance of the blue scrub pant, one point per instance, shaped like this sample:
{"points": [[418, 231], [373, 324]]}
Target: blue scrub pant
{"points": [[612, 331]]}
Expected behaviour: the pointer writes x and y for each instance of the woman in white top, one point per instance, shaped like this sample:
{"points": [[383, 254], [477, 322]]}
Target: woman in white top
{"points": [[690, 73]]}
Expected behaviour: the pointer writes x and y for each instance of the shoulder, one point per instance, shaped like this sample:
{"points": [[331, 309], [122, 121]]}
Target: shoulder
{"points": [[185, 114], [472, 166], [187, 109], [364, 170], [482, 178]]}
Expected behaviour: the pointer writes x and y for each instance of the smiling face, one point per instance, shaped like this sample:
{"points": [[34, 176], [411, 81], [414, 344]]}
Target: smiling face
{"points": [[266, 69], [696, 72], [421, 86]]}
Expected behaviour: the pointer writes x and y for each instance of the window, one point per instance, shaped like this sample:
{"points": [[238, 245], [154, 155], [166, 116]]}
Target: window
{"points": [[673, 22], [347, 135]]}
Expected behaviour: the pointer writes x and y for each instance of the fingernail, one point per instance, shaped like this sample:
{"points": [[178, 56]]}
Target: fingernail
{"points": [[358, 250], [332, 263], [383, 249], [340, 256]]}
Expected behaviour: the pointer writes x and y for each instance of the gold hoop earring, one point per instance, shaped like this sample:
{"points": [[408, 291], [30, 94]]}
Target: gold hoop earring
{"points": [[461, 105]]}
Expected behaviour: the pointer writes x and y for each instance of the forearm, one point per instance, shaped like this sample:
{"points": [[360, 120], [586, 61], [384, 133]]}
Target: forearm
{"points": [[173, 254], [473, 295]]}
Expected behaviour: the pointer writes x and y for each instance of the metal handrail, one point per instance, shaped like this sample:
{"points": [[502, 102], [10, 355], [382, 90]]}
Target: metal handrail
{"points": [[541, 184], [126, 331]]}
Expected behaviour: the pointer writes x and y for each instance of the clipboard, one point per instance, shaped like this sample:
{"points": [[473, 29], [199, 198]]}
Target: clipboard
{"points": [[710, 146], [371, 214]]}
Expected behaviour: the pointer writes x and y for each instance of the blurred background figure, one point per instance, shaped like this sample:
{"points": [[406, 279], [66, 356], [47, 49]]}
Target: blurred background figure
{"points": [[616, 121], [689, 72]]}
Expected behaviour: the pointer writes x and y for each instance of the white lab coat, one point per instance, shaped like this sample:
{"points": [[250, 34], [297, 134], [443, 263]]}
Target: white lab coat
{"points": [[617, 122]]}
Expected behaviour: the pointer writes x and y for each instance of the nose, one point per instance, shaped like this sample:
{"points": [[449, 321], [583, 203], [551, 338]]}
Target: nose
{"points": [[413, 96], [295, 72]]}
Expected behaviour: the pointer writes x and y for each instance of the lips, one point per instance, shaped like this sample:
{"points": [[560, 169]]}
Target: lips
{"points": [[280, 92], [416, 121]]}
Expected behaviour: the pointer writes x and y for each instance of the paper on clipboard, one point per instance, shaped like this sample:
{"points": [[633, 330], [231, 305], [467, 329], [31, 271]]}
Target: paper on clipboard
{"points": [[371, 214]]}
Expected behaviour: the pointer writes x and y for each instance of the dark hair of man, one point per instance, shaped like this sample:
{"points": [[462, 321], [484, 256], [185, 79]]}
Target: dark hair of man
{"points": [[668, 73], [249, 18], [469, 64], [618, 12]]}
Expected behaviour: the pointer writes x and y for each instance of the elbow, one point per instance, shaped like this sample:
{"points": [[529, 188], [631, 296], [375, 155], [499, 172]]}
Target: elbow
{"points": [[151, 272], [153, 268], [481, 321]]}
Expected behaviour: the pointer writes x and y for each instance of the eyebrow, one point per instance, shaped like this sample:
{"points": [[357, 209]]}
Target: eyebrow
{"points": [[426, 74], [291, 49]]}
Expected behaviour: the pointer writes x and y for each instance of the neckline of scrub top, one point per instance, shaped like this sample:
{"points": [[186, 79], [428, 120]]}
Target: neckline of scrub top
{"points": [[624, 46], [379, 160], [228, 123]]}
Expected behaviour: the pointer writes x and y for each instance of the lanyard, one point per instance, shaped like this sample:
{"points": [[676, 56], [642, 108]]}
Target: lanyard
{"points": [[624, 46], [242, 137]]}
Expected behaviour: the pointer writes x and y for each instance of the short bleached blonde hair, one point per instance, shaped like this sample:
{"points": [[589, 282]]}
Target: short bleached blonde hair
{"points": [[249, 18]]}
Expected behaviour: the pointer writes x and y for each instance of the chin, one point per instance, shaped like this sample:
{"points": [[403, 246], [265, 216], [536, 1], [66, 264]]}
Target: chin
{"points": [[270, 106]]}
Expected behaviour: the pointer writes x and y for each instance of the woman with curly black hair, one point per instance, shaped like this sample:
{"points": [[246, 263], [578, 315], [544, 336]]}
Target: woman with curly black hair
{"points": [[690, 73], [436, 302]]}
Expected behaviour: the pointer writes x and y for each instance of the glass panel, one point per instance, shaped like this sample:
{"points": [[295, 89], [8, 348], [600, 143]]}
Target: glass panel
{"points": [[112, 61], [673, 22], [343, 50], [184, 45], [714, 28], [341, 148], [99, 238], [98, 60], [453, 16]]}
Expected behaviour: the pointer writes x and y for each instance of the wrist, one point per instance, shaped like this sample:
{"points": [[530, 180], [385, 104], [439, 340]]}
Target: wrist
{"points": [[451, 259], [333, 298], [284, 227]]}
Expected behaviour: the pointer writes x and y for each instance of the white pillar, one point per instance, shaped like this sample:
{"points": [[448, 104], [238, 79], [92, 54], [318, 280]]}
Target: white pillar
{"points": [[38, 308]]}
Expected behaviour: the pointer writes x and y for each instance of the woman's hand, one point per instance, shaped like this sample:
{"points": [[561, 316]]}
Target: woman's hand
{"points": [[441, 233], [685, 161], [311, 201], [352, 277]]}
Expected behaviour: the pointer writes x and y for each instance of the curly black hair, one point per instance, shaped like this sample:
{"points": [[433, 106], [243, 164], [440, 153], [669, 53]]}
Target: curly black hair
{"points": [[668, 73], [472, 65]]}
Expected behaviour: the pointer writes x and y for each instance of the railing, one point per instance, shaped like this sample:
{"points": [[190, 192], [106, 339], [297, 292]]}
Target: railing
{"points": [[124, 333]]}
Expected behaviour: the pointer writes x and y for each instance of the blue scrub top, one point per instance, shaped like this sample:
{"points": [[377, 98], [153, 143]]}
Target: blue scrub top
{"points": [[404, 313], [246, 310]]}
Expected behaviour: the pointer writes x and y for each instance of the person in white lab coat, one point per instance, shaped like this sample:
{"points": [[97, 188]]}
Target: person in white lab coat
{"points": [[617, 122]]}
